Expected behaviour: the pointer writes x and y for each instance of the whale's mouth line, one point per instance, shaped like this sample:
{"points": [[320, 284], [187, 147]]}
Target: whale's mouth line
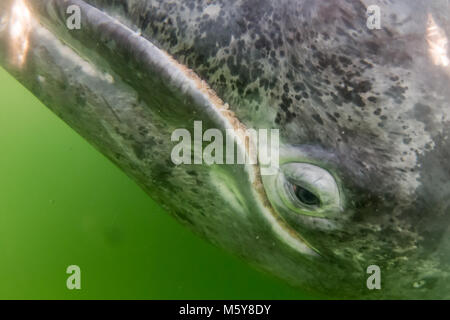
{"points": [[173, 73]]}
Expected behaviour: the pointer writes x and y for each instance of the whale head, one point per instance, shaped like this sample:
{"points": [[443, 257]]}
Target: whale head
{"points": [[358, 112]]}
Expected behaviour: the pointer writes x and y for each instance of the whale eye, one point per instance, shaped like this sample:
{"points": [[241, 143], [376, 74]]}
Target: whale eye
{"points": [[308, 189], [305, 196]]}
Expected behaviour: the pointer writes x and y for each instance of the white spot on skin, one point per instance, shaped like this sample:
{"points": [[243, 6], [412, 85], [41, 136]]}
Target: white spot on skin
{"points": [[109, 78], [85, 67], [213, 10]]}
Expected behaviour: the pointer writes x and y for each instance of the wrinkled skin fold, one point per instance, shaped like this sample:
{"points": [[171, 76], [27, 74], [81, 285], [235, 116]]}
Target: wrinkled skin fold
{"points": [[363, 120]]}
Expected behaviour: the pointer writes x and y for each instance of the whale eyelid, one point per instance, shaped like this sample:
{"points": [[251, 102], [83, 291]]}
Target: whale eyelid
{"points": [[314, 180]]}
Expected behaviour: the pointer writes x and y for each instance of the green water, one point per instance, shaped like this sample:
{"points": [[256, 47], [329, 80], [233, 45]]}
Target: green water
{"points": [[63, 203]]}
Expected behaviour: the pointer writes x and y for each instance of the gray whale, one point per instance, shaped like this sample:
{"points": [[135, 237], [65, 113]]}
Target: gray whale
{"points": [[363, 117]]}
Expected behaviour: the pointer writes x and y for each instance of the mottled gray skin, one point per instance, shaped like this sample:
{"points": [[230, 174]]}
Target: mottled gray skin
{"points": [[367, 105]]}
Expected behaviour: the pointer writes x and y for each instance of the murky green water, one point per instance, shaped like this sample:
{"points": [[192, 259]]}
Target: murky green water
{"points": [[63, 203]]}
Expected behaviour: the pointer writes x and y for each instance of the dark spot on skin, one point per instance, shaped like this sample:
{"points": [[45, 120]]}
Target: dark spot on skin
{"points": [[263, 44], [345, 61], [397, 93], [394, 78], [183, 218], [143, 130], [318, 119], [138, 150], [423, 113], [363, 86], [145, 20], [299, 87], [192, 173], [286, 103], [162, 172], [357, 100], [278, 118], [331, 117], [373, 48], [350, 95]]}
